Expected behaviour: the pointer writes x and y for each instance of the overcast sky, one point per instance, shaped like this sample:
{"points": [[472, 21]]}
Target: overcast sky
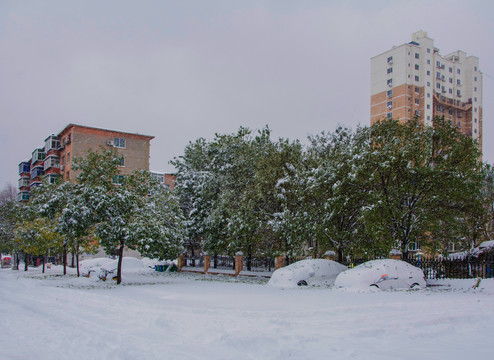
{"points": [[179, 70]]}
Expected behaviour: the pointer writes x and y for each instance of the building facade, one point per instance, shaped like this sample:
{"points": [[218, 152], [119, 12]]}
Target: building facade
{"points": [[55, 158], [415, 80]]}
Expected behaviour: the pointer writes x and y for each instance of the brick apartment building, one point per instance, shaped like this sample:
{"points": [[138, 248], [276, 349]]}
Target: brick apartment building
{"points": [[55, 158], [413, 79]]}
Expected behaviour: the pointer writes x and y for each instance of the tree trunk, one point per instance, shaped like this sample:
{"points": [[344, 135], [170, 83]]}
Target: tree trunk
{"points": [[77, 259], [64, 259], [119, 267], [26, 261], [340, 256], [215, 257], [44, 261]]}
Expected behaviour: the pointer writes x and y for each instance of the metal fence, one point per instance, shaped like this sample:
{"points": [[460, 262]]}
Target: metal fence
{"points": [[470, 267]]}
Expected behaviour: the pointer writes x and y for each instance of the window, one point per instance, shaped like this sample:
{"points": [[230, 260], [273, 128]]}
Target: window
{"points": [[428, 95], [390, 60], [122, 161], [416, 55], [416, 66], [416, 78], [417, 90], [475, 99], [428, 117], [451, 70], [438, 64], [475, 89], [389, 104], [475, 78], [438, 86], [389, 93], [475, 68], [458, 82], [438, 75], [68, 158], [475, 121], [417, 102], [428, 83], [428, 61], [428, 73], [475, 109], [458, 71], [428, 106], [67, 176], [417, 113], [450, 112], [390, 70], [458, 93], [475, 131], [119, 142], [389, 115], [450, 80], [451, 91], [428, 51], [118, 179], [390, 82]]}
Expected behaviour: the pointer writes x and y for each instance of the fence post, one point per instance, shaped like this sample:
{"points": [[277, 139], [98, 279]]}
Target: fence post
{"points": [[239, 262], [180, 263], [395, 254], [279, 262], [330, 255], [207, 262]]}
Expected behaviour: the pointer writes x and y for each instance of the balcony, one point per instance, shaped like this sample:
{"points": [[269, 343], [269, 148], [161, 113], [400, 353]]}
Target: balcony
{"points": [[52, 161], [38, 155], [24, 167], [52, 143], [37, 171], [23, 182], [23, 196], [52, 178]]}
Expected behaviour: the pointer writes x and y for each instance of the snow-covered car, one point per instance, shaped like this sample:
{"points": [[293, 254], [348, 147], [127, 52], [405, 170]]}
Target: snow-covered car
{"points": [[317, 272], [6, 261], [383, 274]]}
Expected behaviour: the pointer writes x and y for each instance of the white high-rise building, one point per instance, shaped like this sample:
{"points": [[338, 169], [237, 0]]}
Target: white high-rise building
{"points": [[413, 79]]}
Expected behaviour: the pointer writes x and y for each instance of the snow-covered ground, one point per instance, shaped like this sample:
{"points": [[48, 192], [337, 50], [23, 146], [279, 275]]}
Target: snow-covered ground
{"points": [[155, 315]]}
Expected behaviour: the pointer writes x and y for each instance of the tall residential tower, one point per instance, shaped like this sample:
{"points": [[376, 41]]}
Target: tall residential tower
{"points": [[413, 79]]}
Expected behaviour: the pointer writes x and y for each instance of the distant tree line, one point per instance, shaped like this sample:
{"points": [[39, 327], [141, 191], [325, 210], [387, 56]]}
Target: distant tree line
{"points": [[358, 192]]}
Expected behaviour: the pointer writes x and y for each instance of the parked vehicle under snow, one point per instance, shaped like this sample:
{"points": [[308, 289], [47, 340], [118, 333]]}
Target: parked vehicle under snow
{"points": [[315, 272], [383, 274]]}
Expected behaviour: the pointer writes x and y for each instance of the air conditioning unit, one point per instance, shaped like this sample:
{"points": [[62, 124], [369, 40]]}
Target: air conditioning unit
{"points": [[390, 84], [390, 62], [109, 142], [390, 107]]}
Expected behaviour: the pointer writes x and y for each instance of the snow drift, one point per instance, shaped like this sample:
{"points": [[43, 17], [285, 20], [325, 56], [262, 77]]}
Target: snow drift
{"points": [[310, 271], [383, 274]]}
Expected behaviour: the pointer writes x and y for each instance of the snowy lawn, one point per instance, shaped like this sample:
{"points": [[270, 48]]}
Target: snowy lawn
{"points": [[191, 316]]}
